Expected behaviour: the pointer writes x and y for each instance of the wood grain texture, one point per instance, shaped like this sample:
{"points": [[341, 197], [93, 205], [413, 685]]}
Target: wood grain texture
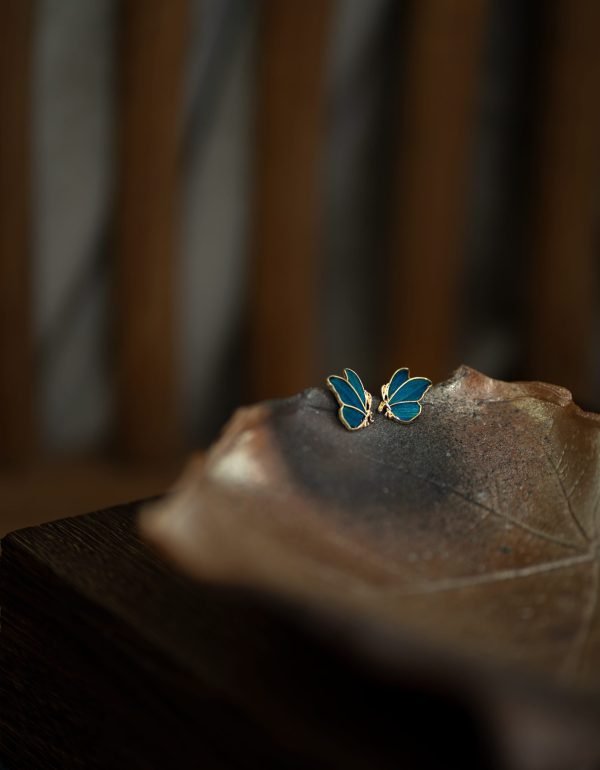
{"points": [[565, 277], [290, 139], [436, 136], [153, 36], [17, 421]]}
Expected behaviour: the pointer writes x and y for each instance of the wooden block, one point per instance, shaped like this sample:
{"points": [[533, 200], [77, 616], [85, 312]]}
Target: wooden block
{"points": [[89, 675]]}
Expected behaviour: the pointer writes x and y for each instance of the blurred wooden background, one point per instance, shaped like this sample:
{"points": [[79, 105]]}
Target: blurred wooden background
{"points": [[420, 282]]}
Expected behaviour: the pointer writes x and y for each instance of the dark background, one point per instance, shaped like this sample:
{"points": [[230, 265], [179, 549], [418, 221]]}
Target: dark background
{"points": [[203, 204]]}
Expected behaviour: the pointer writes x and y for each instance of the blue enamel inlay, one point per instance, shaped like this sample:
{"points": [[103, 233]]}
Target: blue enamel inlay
{"points": [[352, 417], [406, 411], [398, 379], [346, 394], [356, 383], [412, 390]]}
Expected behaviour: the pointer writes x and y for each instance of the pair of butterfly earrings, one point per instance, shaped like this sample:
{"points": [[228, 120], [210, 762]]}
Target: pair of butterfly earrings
{"points": [[401, 398]]}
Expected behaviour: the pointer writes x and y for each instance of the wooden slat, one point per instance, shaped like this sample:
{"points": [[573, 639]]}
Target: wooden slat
{"points": [[284, 318], [17, 429], [564, 281], [151, 84], [437, 131]]}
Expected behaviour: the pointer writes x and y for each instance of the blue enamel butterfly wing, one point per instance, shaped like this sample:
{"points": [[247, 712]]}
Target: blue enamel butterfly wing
{"points": [[354, 400], [401, 396]]}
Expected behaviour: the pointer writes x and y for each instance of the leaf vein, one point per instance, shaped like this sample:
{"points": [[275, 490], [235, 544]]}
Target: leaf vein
{"points": [[469, 581], [567, 499], [486, 508]]}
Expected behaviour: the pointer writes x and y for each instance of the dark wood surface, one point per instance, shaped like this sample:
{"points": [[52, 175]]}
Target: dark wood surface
{"points": [[111, 660]]}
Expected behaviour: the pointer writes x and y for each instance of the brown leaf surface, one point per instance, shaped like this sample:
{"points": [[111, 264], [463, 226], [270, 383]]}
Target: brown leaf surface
{"points": [[475, 528]]}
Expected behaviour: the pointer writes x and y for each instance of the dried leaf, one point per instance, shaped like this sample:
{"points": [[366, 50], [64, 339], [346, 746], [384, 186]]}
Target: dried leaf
{"points": [[475, 527]]}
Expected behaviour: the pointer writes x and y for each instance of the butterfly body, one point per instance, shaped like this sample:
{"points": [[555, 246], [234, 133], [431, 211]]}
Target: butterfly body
{"points": [[354, 401], [401, 396]]}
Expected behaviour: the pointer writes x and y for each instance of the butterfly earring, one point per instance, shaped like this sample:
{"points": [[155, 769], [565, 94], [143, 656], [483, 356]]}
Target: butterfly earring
{"points": [[355, 402], [401, 396]]}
